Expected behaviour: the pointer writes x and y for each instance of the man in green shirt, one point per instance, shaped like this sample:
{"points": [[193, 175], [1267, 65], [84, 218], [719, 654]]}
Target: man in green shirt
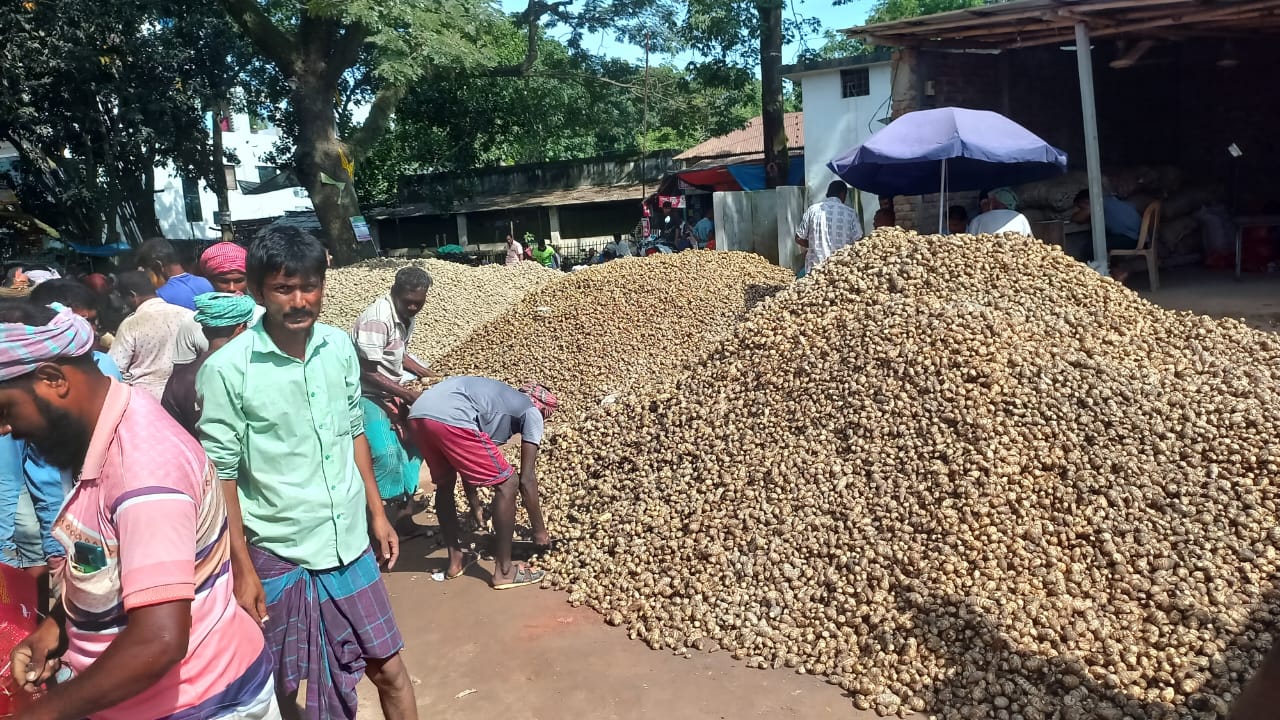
{"points": [[283, 425]]}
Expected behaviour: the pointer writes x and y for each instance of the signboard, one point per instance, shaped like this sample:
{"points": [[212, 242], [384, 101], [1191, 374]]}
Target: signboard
{"points": [[361, 228], [221, 218], [675, 201]]}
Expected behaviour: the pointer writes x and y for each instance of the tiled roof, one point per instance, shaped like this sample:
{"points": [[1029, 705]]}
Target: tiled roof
{"points": [[749, 139]]}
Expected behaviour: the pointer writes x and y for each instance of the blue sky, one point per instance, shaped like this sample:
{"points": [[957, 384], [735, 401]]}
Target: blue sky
{"points": [[832, 18]]}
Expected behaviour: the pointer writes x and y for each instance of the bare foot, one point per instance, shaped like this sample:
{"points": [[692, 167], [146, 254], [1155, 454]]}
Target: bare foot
{"points": [[542, 539], [1120, 275]]}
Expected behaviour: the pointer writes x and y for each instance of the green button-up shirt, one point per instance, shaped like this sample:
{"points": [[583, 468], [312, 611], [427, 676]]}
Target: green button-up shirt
{"points": [[284, 429]]}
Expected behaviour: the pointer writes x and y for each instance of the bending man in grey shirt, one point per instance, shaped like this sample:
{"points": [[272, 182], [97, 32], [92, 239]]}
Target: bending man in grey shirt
{"points": [[459, 425]]}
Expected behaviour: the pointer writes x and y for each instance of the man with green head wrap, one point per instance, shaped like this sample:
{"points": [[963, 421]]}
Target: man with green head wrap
{"points": [[222, 316]]}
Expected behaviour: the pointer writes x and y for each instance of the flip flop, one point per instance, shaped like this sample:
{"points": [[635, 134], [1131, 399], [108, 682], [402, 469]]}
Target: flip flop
{"points": [[468, 559], [525, 575]]}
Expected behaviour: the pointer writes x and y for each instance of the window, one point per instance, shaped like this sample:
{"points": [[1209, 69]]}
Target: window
{"points": [[258, 123], [191, 200], [855, 82], [266, 172], [230, 170]]}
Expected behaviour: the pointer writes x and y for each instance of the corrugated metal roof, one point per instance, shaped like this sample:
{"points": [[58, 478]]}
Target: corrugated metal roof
{"points": [[1030, 23], [748, 140]]}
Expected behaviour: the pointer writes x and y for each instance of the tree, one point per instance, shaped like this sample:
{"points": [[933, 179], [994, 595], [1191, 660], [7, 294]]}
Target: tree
{"points": [[317, 49], [94, 96], [890, 10]]}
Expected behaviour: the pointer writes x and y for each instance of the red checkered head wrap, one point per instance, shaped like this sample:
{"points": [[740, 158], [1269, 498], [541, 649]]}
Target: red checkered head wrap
{"points": [[223, 257], [542, 398]]}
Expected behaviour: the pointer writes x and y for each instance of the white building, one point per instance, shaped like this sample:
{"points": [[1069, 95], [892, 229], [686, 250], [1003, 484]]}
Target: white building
{"points": [[844, 102], [185, 207]]}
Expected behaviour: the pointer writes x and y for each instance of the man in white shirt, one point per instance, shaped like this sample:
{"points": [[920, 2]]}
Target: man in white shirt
{"points": [[828, 226], [144, 345], [1003, 216]]}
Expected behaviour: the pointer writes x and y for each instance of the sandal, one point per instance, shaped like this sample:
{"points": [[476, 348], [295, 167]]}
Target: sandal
{"points": [[468, 559], [525, 575]]}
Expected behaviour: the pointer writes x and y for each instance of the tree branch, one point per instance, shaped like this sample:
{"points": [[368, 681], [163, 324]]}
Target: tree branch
{"points": [[530, 18], [384, 106], [277, 45], [346, 51]]}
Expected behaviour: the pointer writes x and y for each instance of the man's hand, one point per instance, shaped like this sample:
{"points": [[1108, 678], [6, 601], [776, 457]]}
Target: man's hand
{"points": [[250, 594], [35, 659], [385, 539]]}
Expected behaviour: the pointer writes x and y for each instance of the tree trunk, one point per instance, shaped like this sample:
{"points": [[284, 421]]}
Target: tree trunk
{"points": [[139, 191], [776, 155], [318, 162], [220, 174]]}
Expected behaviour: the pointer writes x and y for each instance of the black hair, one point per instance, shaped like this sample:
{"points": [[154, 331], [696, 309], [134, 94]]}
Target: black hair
{"points": [[958, 212], [136, 283], [1082, 197], [289, 250], [411, 279], [24, 312], [218, 333], [156, 251], [837, 189], [12, 275], [982, 195], [72, 293]]}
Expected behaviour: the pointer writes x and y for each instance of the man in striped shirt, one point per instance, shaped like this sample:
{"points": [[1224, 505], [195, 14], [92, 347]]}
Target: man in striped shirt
{"points": [[147, 625]]}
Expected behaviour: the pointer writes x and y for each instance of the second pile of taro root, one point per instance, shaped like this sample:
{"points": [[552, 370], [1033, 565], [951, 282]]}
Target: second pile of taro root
{"points": [[959, 475], [595, 334]]}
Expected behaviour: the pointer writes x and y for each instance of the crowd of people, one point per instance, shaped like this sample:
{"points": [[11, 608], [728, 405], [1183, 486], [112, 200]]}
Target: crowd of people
{"points": [[213, 497]]}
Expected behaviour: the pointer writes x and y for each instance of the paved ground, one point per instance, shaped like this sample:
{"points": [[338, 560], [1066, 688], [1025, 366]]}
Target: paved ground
{"points": [[527, 655], [1255, 298]]}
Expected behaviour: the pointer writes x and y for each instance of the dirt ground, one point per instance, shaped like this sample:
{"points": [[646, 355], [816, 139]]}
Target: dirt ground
{"points": [[525, 654]]}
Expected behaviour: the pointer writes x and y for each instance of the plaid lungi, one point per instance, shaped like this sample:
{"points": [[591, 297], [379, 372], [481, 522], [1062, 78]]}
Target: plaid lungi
{"points": [[323, 626]]}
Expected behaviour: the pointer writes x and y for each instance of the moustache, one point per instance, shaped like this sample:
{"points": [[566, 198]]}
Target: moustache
{"points": [[299, 315]]}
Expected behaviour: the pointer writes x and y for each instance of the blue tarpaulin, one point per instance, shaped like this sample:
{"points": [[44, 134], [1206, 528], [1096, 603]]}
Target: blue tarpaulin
{"points": [[100, 250], [751, 177], [981, 150]]}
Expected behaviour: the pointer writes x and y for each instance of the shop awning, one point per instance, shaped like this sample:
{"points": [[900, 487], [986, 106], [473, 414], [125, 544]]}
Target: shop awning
{"points": [[1032, 23]]}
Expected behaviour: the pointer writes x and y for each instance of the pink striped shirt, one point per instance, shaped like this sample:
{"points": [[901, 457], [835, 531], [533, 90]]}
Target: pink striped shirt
{"points": [[150, 499]]}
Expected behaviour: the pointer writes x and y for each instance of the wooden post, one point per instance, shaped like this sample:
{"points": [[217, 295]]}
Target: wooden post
{"points": [[1093, 154]]}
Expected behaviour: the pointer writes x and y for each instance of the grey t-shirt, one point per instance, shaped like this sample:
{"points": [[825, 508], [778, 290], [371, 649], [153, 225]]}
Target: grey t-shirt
{"points": [[492, 407]]}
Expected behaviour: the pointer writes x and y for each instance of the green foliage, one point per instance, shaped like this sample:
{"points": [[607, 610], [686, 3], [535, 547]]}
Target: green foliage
{"points": [[96, 95], [890, 10], [570, 105]]}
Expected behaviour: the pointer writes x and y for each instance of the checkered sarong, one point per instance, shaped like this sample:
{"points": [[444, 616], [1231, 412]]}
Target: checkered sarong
{"points": [[323, 626]]}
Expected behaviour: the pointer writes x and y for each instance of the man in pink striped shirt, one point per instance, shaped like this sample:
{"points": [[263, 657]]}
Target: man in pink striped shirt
{"points": [[147, 625]]}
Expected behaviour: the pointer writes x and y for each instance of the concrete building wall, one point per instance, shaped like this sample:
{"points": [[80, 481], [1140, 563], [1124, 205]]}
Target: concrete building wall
{"points": [[834, 125], [250, 148]]}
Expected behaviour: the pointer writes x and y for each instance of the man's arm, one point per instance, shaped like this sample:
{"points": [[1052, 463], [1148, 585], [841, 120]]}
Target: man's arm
{"points": [[387, 542], [152, 643], [371, 378], [379, 526], [221, 427], [802, 232], [412, 365], [122, 349]]}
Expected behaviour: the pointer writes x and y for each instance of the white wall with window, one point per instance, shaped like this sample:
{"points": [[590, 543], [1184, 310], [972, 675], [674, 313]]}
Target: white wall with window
{"points": [[185, 207], [843, 102]]}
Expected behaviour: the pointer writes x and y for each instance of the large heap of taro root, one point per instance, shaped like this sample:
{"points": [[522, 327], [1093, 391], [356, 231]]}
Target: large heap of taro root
{"points": [[960, 475]]}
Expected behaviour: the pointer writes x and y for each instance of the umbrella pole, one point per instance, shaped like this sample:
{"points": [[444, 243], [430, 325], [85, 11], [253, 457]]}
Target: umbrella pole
{"points": [[942, 199]]}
